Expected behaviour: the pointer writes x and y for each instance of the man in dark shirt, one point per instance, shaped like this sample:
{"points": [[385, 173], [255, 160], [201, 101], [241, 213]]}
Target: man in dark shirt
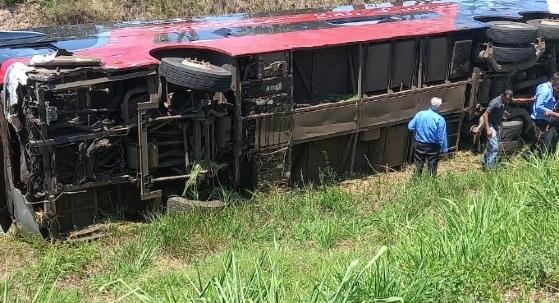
{"points": [[492, 120]]}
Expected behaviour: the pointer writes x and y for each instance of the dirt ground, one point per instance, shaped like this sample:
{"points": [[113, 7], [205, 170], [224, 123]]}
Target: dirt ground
{"points": [[19, 17], [460, 162], [37, 13]]}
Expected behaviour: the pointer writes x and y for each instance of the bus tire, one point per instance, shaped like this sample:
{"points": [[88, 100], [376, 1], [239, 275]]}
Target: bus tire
{"points": [[547, 31], [508, 32], [195, 75], [511, 130], [513, 54], [508, 148]]}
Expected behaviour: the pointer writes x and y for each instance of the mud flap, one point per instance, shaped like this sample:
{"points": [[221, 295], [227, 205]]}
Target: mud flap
{"points": [[5, 217], [24, 214]]}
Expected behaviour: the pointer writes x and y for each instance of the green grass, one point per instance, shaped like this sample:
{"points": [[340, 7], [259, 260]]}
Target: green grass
{"points": [[465, 237]]}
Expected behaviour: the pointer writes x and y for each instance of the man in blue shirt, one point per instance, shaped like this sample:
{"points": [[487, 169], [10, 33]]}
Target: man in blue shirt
{"points": [[543, 110], [492, 118], [430, 137]]}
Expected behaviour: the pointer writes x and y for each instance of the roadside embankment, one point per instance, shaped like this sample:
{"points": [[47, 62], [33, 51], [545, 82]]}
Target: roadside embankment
{"points": [[466, 236], [19, 14]]}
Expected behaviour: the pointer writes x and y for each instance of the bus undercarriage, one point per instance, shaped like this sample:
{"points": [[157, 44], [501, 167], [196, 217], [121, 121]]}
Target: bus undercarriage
{"points": [[80, 141]]}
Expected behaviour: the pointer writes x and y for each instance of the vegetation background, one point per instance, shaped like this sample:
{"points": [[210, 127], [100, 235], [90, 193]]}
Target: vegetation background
{"points": [[467, 236], [18, 14]]}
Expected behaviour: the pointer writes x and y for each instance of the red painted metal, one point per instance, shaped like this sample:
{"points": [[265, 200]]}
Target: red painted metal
{"points": [[132, 47]]}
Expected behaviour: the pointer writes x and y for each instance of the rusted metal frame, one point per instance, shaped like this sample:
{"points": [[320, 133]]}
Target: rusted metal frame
{"points": [[257, 137], [49, 205], [378, 97], [121, 132], [171, 178], [358, 105], [262, 140], [117, 180], [88, 83], [354, 82], [47, 75], [381, 149], [460, 124], [90, 185], [126, 100], [87, 93], [372, 99], [184, 128], [185, 176], [291, 125], [348, 150], [393, 123], [167, 119], [318, 138], [144, 174], [390, 68], [88, 104], [413, 74], [474, 81], [73, 209], [45, 150], [322, 106], [238, 127], [413, 91], [449, 52], [160, 125], [207, 144], [312, 76], [213, 140], [284, 120], [197, 129], [420, 66], [163, 89]]}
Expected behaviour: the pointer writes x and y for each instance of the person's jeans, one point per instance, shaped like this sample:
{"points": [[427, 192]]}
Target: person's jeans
{"points": [[426, 152], [492, 149]]}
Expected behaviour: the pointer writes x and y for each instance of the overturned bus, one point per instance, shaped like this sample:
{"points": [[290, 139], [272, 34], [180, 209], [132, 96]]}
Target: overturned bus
{"points": [[98, 119]]}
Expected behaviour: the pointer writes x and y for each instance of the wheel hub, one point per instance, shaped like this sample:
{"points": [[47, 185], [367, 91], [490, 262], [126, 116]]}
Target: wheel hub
{"points": [[551, 21], [197, 63]]}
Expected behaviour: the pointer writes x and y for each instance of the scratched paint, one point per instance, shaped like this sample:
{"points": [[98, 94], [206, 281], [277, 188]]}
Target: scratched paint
{"points": [[129, 44]]}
